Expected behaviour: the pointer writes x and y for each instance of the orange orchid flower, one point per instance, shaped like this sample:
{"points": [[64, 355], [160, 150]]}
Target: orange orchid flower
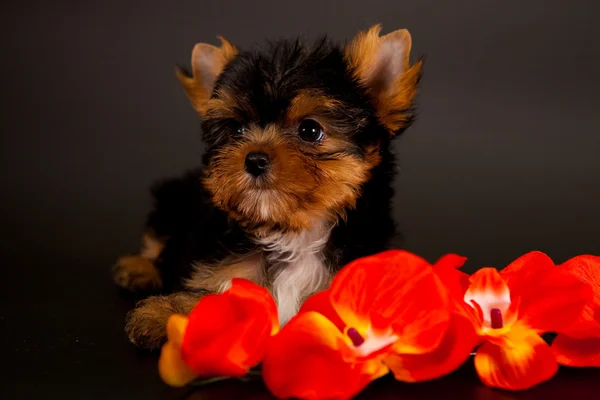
{"points": [[383, 312], [224, 336], [511, 309], [578, 345]]}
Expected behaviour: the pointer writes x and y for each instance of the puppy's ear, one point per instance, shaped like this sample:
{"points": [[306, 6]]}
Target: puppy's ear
{"points": [[382, 66], [208, 62]]}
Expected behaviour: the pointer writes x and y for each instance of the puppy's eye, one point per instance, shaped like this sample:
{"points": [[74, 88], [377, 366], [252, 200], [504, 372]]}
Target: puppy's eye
{"points": [[236, 128], [310, 130]]}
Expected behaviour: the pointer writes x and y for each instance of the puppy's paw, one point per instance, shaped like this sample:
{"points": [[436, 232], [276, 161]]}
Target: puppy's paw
{"points": [[146, 324], [136, 273]]}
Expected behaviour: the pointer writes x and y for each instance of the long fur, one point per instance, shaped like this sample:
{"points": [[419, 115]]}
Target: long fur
{"points": [[298, 265], [318, 205]]}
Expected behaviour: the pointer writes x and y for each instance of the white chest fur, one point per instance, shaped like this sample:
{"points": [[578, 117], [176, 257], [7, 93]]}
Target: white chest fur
{"points": [[296, 267]]}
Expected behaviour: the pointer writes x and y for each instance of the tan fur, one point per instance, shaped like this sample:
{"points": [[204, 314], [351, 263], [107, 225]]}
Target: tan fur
{"points": [[151, 247], [307, 103], [368, 54], [400, 99], [216, 278], [299, 188], [221, 106], [138, 272], [208, 62], [313, 104], [146, 324]]}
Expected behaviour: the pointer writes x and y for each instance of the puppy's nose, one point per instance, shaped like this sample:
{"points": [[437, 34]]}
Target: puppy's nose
{"points": [[257, 163]]}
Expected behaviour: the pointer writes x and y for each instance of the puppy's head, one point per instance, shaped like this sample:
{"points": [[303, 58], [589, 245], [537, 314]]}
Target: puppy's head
{"points": [[294, 131]]}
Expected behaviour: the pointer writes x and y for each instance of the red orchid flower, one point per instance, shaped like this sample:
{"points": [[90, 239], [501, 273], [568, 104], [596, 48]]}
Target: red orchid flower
{"points": [[511, 309], [382, 312], [224, 336], [578, 345]]}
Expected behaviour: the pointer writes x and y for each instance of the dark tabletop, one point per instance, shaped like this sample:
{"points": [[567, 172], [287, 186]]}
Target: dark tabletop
{"points": [[502, 160]]}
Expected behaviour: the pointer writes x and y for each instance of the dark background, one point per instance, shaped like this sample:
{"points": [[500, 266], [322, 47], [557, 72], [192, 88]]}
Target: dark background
{"points": [[503, 159]]}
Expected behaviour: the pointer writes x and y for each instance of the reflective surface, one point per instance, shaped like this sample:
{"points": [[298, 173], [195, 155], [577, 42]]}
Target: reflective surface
{"points": [[502, 160]]}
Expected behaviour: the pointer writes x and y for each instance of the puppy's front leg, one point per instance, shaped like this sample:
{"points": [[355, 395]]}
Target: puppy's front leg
{"points": [[138, 272], [146, 324]]}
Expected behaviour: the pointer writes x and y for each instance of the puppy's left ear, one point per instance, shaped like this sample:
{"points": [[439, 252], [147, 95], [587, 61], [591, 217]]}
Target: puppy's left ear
{"points": [[381, 64], [208, 62]]}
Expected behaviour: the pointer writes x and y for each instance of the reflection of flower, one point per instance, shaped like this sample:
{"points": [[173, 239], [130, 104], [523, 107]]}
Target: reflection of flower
{"points": [[224, 336], [387, 311], [511, 309], [579, 344]]}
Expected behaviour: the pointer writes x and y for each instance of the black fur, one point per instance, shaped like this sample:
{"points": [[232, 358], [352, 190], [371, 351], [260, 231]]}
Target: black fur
{"points": [[266, 80], [194, 229]]}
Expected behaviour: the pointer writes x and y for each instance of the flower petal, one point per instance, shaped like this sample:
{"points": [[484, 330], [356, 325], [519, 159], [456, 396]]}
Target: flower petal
{"points": [[227, 334], [577, 352], [555, 300], [489, 291], [534, 279], [311, 359], [471, 312], [176, 327], [517, 273], [587, 269], [321, 302], [447, 269], [245, 289], [450, 261], [393, 290], [523, 361], [453, 351], [171, 367]]}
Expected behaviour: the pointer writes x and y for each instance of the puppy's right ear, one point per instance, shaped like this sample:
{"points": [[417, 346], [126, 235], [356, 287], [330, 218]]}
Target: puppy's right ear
{"points": [[208, 62]]}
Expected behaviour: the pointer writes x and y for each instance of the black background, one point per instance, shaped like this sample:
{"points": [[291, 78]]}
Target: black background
{"points": [[503, 159]]}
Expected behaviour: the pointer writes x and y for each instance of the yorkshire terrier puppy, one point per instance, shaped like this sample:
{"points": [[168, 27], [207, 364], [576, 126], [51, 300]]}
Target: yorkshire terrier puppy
{"points": [[297, 176]]}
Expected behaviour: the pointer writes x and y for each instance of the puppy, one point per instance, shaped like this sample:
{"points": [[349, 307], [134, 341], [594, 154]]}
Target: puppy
{"points": [[297, 176]]}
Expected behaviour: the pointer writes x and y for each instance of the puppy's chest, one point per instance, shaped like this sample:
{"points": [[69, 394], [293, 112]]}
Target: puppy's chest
{"points": [[295, 268], [291, 266]]}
